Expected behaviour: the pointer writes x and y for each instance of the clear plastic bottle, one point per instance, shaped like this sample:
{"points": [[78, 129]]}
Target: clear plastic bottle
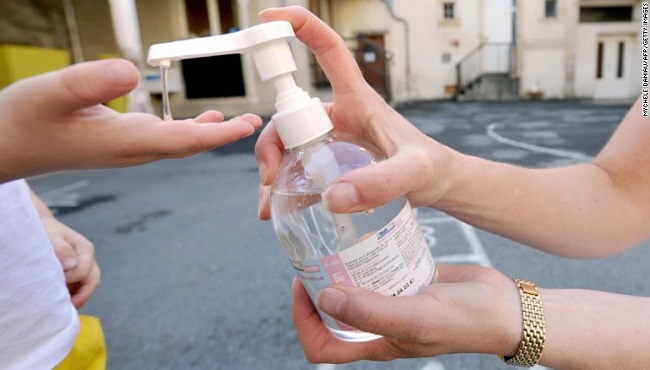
{"points": [[381, 249]]}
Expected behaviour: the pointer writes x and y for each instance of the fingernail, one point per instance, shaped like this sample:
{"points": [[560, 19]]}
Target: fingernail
{"points": [[340, 197], [265, 10], [263, 201], [332, 301], [69, 263]]}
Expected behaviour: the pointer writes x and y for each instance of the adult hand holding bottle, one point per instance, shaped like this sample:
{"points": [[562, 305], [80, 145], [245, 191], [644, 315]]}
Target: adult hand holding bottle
{"points": [[474, 309], [359, 110]]}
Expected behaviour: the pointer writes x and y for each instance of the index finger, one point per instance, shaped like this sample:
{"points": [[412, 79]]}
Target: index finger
{"points": [[328, 47]]}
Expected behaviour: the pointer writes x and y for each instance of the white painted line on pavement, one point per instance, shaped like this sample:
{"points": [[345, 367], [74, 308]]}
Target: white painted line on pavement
{"points": [[458, 258], [536, 148], [66, 188], [326, 367], [433, 365], [476, 245], [436, 220]]}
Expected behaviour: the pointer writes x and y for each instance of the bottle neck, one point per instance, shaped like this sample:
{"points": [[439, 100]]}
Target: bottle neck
{"points": [[316, 140], [301, 121]]}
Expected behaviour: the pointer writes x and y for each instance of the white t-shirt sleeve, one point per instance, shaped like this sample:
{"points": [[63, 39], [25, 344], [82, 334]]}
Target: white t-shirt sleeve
{"points": [[38, 322]]}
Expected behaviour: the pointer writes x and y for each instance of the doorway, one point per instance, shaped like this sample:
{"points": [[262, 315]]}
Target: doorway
{"points": [[372, 58], [613, 67], [218, 76]]}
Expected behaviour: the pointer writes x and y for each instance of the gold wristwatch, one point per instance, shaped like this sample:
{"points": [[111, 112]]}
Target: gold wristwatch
{"points": [[534, 334]]}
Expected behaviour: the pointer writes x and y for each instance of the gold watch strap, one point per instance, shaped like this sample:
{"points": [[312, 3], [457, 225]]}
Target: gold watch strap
{"points": [[534, 334]]}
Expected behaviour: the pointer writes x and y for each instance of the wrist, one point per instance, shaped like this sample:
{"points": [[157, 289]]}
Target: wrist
{"points": [[496, 327], [456, 174], [510, 314], [446, 175], [533, 335]]}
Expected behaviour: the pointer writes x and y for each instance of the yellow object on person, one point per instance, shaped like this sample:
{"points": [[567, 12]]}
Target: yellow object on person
{"points": [[89, 349]]}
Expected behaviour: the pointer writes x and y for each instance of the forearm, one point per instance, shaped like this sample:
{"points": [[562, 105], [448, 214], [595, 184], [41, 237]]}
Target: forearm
{"points": [[595, 330], [575, 211]]}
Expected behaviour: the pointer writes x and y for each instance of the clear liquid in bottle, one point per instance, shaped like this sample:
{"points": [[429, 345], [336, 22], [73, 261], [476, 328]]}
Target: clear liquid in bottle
{"points": [[382, 249]]}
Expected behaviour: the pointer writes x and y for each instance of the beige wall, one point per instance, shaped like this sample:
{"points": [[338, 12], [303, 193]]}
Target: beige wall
{"points": [[541, 42], [95, 29], [416, 36], [561, 53]]}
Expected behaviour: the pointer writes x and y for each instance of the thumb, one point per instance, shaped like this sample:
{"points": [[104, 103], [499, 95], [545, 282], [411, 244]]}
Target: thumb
{"points": [[78, 86], [393, 317], [359, 190]]}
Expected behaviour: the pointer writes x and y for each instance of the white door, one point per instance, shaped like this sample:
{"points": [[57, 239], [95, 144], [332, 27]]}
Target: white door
{"points": [[613, 69]]}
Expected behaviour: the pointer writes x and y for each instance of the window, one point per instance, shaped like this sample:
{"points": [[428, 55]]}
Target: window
{"points": [[599, 61], [206, 17], [198, 21], [605, 14], [448, 10], [215, 76], [619, 62], [550, 8]]}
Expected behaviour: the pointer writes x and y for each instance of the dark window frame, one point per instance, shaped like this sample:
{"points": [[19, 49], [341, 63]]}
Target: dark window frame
{"points": [[603, 14], [449, 10], [621, 59], [550, 8], [600, 51]]}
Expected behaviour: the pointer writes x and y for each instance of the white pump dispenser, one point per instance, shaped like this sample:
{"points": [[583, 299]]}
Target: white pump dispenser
{"points": [[299, 118], [382, 249]]}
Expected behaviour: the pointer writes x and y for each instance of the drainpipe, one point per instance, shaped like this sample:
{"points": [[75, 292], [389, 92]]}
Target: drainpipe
{"points": [[407, 45], [73, 31], [127, 35]]}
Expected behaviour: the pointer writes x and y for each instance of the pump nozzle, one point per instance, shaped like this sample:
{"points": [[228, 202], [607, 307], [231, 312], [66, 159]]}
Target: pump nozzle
{"points": [[299, 118], [268, 43]]}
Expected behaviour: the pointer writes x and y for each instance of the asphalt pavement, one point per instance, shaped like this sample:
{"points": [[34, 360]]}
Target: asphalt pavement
{"points": [[191, 279]]}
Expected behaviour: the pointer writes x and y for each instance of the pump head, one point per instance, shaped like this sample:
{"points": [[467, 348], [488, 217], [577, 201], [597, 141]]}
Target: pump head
{"points": [[299, 119], [268, 43]]}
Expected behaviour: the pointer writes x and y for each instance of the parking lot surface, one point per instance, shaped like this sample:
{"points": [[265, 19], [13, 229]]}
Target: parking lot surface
{"points": [[192, 280]]}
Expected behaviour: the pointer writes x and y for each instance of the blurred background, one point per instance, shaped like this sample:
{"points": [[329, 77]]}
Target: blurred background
{"points": [[409, 50]]}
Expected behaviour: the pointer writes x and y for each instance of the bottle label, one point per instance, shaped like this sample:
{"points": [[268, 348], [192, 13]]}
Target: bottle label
{"points": [[394, 261]]}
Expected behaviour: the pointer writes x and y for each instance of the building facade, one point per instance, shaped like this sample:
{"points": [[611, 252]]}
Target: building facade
{"points": [[407, 49], [579, 48]]}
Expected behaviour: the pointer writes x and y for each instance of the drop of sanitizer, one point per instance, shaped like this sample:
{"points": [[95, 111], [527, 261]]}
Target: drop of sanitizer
{"points": [[166, 110]]}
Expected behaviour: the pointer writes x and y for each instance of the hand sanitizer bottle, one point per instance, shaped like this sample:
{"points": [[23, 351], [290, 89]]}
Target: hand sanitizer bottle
{"points": [[382, 249]]}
